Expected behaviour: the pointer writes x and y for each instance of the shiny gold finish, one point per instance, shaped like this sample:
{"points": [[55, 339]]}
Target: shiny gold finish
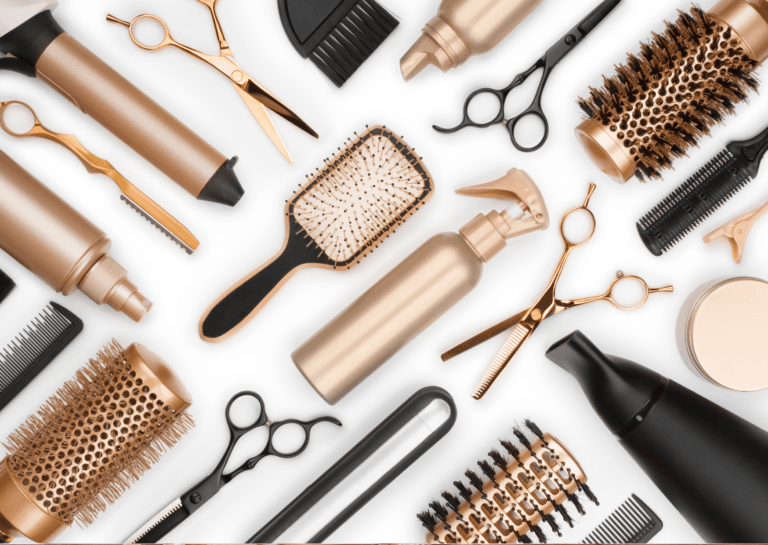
{"points": [[90, 442], [737, 231], [59, 245], [548, 305], [517, 497], [461, 29], [95, 165], [255, 96], [666, 98], [99, 91], [415, 293], [721, 333]]}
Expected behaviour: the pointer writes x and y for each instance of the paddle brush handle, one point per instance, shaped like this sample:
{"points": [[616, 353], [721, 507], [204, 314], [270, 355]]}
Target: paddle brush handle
{"points": [[240, 303]]}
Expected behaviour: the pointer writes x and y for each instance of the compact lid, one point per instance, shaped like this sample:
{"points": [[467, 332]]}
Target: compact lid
{"points": [[727, 334]]}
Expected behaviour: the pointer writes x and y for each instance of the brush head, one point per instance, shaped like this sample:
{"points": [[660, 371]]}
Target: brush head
{"points": [[90, 441], [337, 35], [662, 101], [359, 197]]}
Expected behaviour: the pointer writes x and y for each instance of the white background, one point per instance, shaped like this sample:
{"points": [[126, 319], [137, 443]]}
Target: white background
{"points": [[234, 241]]}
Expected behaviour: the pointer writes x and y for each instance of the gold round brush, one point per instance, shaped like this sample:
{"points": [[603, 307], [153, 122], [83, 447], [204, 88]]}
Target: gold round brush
{"points": [[680, 85], [89, 442]]}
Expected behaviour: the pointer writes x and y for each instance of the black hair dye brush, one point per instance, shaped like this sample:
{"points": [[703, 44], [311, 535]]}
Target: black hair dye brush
{"points": [[337, 35], [704, 192]]}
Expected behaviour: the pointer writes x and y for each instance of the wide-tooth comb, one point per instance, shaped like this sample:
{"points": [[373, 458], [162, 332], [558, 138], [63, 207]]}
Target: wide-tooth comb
{"points": [[343, 212], [514, 500], [702, 194], [338, 37], [34, 348], [632, 522]]}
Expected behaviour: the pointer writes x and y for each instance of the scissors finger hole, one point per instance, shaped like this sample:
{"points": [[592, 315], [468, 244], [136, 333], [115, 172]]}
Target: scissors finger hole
{"points": [[245, 411], [578, 226], [484, 107], [629, 293], [529, 131], [17, 118], [148, 31], [289, 438]]}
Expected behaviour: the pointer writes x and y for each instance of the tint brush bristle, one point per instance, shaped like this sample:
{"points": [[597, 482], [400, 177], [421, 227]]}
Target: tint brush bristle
{"points": [[513, 501]]}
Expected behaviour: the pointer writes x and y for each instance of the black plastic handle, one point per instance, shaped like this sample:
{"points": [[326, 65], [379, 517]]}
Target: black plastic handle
{"points": [[751, 152], [19, 66]]}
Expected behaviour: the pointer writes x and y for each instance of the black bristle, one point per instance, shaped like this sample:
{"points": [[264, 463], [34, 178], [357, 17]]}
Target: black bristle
{"points": [[574, 499], [452, 501], [588, 492], [535, 429], [440, 511], [464, 492], [522, 437], [549, 519], [511, 449], [524, 539], [499, 461], [428, 521], [564, 513], [475, 480], [487, 468], [540, 535]]}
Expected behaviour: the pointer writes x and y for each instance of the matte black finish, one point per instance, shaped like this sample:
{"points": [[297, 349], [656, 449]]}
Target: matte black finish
{"points": [[709, 462], [632, 522], [223, 187], [323, 486], [337, 35], [702, 194], [6, 286], [34, 348], [28, 41]]}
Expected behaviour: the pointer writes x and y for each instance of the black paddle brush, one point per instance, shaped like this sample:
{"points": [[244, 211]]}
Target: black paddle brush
{"points": [[706, 191], [337, 35]]}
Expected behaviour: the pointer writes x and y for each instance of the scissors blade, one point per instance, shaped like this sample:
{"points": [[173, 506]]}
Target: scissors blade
{"points": [[521, 333], [480, 338], [596, 16], [262, 116], [262, 95], [161, 524]]}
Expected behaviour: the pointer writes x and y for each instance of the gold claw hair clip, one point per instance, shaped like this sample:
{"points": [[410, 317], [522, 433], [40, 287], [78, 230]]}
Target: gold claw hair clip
{"points": [[132, 196], [737, 231], [255, 95], [548, 305]]}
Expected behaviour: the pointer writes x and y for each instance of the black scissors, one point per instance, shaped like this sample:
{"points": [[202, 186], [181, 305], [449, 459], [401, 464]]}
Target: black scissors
{"points": [[548, 63], [190, 501]]}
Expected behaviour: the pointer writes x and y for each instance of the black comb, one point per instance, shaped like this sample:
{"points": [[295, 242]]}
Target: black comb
{"points": [[6, 286], [706, 191], [34, 348], [632, 522], [337, 35]]}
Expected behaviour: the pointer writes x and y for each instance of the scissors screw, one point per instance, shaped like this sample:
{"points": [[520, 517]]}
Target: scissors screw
{"points": [[620, 274], [195, 498], [570, 39], [536, 315]]}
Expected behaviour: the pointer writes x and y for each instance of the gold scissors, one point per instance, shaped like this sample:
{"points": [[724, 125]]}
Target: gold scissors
{"points": [[526, 322], [255, 96]]}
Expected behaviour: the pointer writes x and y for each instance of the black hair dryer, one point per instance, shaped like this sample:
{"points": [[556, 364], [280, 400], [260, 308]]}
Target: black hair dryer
{"points": [[711, 464]]}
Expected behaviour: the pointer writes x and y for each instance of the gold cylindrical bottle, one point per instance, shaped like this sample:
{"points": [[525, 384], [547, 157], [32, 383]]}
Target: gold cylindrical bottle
{"points": [[461, 29], [59, 245], [415, 293]]}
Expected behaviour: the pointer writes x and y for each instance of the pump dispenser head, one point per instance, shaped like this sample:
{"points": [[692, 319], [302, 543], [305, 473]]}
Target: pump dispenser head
{"points": [[488, 233]]}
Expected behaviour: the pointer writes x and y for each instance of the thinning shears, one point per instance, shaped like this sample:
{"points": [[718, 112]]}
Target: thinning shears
{"points": [[193, 499], [255, 95], [548, 305], [547, 64]]}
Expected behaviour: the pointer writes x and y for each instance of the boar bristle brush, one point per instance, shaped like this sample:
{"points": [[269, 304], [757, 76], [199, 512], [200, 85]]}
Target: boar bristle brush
{"points": [[516, 496], [90, 442], [662, 101]]}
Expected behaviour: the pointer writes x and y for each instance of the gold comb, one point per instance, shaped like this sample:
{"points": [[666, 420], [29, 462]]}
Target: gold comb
{"points": [[345, 210]]}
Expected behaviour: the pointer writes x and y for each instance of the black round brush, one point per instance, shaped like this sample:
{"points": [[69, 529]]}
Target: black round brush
{"points": [[704, 192]]}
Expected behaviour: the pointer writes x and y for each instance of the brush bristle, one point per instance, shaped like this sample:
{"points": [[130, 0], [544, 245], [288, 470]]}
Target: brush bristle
{"points": [[360, 196], [353, 40], [93, 439], [667, 97]]}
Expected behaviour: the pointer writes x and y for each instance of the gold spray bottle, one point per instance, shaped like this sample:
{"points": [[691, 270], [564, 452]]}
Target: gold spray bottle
{"points": [[461, 29], [60, 246], [418, 291]]}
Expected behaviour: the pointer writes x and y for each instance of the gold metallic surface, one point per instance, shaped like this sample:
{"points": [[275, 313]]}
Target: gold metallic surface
{"points": [[721, 333], [93, 439], [96, 165], [58, 244], [513, 502], [737, 231], [415, 293], [461, 29], [749, 20], [99, 91]]}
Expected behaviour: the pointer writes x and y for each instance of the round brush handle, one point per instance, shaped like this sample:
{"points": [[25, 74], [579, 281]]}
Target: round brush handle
{"points": [[240, 303]]}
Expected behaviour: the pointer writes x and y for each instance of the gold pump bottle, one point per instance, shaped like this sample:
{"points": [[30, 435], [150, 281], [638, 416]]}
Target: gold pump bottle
{"points": [[418, 291], [462, 29], [60, 246]]}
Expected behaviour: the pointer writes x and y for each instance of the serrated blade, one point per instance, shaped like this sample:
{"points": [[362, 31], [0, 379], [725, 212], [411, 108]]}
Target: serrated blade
{"points": [[516, 339], [155, 521], [156, 222]]}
